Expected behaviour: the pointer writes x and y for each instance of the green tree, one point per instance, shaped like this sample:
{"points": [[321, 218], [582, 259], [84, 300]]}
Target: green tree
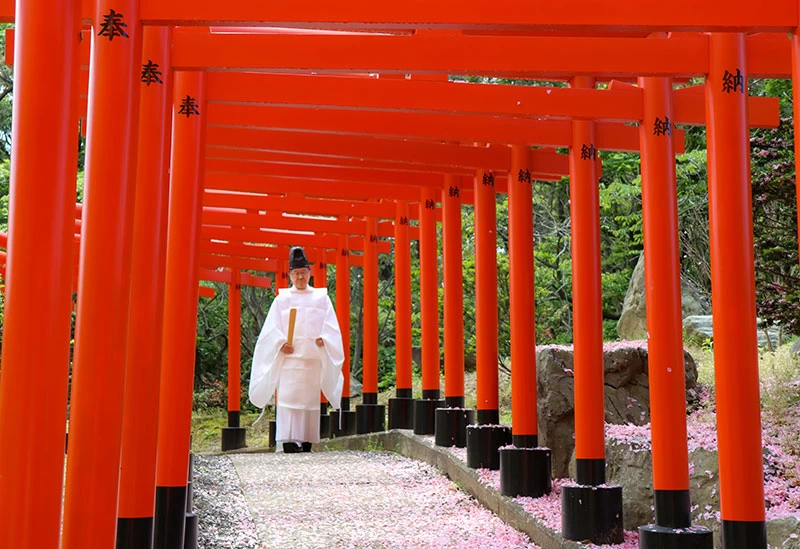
{"points": [[775, 227]]}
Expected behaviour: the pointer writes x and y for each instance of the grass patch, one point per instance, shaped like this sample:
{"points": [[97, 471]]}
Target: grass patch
{"points": [[207, 427]]}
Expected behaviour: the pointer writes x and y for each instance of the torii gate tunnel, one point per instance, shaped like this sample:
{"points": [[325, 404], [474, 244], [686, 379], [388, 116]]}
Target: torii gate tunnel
{"points": [[215, 129]]}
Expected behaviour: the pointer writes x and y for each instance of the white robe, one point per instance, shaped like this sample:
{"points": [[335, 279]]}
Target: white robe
{"points": [[298, 377]]}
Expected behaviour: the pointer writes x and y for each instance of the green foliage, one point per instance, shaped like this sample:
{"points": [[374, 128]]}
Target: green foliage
{"points": [[692, 176], [552, 262], [6, 95], [620, 231], [5, 181], [779, 373], [211, 347], [775, 227]]}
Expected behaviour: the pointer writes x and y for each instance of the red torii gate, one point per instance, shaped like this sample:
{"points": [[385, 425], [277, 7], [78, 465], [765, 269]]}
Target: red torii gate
{"points": [[632, 21], [577, 247]]}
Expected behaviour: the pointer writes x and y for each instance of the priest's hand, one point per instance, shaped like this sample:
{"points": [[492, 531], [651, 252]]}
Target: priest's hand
{"points": [[319, 342], [287, 349]]}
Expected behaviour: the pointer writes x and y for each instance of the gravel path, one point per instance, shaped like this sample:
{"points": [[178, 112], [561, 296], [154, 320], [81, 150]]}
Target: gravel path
{"points": [[225, 520], [340, 499]]}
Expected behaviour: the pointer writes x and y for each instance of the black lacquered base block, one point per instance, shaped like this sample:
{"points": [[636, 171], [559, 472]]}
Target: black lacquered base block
{"points": [[525, 472], [273, 429], [170, 517], [483, 445], [401, 413], [370, 418], [592, 512], [451, 426], [233, 438], [661, 537], [135, 533], [738, 534], [324, 426], [190, 538], [348, 423], [425, 415]]}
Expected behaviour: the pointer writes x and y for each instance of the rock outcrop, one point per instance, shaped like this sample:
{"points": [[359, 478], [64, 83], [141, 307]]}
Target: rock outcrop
{"points": [[627, 398], [632, 322]]}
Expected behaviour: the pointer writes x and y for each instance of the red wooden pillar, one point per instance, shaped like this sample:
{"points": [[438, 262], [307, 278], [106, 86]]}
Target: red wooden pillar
{"points": [[370, 296], [730, 216], [321, 276], [662, 273], [590, 509], [525, 469], [39, 285], [234, 436], [234, 347], [343, 312], [101, 329], [343, 422], [320, 273], [484, 440], [148, 270], [180, 308], [453, 294], [523, 319], [401, 408], [370, 416], [587, 307], [321, 281], [452, 420], [283, 276], [425, 408], [486, 298]]}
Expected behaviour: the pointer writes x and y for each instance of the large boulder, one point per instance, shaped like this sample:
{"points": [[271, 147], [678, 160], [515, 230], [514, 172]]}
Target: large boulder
{"points": [[795, 350], [700, 329], [632, 322], [627, 398], [629, 464], [355, 387]]}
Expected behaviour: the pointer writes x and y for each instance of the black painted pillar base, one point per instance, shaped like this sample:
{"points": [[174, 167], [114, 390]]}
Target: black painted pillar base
{"points": [[592, 512], [673, 527], [370, 418], [401, 413], [190, 539], [451, 426], [233, 438], [135, 533], [738, 534], [483, 445], [525, 472], [662, 537], [325, 425], [170, 517], [348, 426], [425, 415], [273, 429]]}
